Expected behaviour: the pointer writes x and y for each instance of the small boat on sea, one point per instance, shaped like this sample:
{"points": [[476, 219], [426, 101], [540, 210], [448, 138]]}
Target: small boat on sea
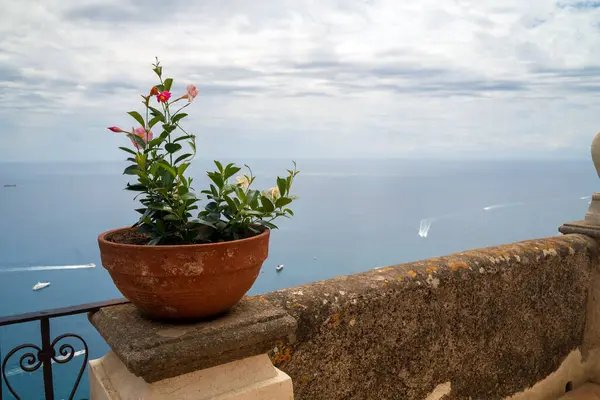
{"points": [[10, 185], [41, 285], [279, 267]]}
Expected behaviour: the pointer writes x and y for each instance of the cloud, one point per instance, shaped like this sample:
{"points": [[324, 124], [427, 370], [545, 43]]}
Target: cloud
{"points": [[305, 78]]}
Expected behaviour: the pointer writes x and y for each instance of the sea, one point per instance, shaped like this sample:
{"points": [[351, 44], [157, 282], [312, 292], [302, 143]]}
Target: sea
{"points": [[351, 216]]}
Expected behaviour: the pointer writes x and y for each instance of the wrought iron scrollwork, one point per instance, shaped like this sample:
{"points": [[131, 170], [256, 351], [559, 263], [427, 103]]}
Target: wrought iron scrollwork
{"points": [[33, 360], [43, 356], [33, 363], [67, 352]]}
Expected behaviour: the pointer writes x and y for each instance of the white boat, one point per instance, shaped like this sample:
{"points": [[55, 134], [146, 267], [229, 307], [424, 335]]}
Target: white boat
{"points": [[41, 285], [279, 267]]}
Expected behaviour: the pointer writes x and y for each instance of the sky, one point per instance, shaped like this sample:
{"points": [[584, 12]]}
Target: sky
{"points": [[303, 79]]}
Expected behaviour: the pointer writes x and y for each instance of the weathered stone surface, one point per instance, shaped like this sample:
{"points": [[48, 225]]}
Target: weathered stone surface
{"points": [[156, 351], [588, 391], [584, 227], [492, 322]]}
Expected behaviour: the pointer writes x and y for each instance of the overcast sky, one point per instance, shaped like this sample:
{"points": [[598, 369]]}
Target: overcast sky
{"points": [[322, 78]]}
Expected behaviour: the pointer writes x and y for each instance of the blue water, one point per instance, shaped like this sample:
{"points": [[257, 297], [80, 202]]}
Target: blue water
{"points": [[352, 215]]}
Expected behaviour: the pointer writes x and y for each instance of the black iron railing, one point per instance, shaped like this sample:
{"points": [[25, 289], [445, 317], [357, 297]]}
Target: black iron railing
{"points": [[48, 353]]}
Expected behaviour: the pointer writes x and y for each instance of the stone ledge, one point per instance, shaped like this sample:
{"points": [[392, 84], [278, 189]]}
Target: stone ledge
{"points": [[157, 351], [582, 227]]}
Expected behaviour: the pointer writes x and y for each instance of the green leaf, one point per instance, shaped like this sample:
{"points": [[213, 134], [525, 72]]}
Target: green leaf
{"points": [[137, 140], [160, 88], [189, 196], [219, 166], [140, 159], [183, 157], [282, 202], [213, 217], [160, 207], [167, 180], [217, 179], [181, 169], [155, 120], [230, 171], [230, 203], [205, 222], [155, 241], [252, 213], [172, 217], [155, 142], [136, 188], [165, 165], [240, 193], [136, 115], [128, 150], [154, 168], [253, 196], [184, 137], [131, 170], [287, 210], [158, 71], [169, 127], [172, 147], [164, 135], [167, 84], [282, 185], [214, 190], [178, 117], [268, 224], [156, 112], [183, 189], [267, 204]]}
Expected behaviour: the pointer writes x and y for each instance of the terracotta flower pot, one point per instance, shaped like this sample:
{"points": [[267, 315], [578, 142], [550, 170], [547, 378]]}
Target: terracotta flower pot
{"points": [[186, 281]]}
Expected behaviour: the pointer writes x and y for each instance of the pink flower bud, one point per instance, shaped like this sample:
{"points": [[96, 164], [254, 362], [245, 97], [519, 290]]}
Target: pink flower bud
{"points": [[115, 129]]}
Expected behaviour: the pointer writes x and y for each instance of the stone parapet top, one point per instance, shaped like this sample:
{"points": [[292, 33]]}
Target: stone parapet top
{"points": [[157, 351]]}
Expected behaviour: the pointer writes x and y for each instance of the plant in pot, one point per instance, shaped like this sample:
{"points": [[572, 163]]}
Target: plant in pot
{"points": [[178, 261]]}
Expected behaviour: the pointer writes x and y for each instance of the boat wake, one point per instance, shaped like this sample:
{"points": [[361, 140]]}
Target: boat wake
{"points": [[504, 205], [425, 226], [425, 223], [17, 371], [47, 268]]}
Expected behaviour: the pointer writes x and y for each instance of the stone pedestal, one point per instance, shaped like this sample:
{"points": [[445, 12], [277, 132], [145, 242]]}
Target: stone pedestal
{"points": [[590, 225], [252, 378], [222, 359]]}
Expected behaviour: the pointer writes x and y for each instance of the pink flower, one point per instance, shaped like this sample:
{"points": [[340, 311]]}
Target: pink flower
{"points": [[115, 129], [163, 97], [192, 92], [141, 132]]}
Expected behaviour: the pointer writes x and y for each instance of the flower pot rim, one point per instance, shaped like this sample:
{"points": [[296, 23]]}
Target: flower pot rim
{"points": [[102, 239]]}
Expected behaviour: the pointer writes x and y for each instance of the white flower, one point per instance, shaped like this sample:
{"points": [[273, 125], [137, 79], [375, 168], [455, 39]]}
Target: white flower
{"points": [[243, 181], [274, 192]]}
